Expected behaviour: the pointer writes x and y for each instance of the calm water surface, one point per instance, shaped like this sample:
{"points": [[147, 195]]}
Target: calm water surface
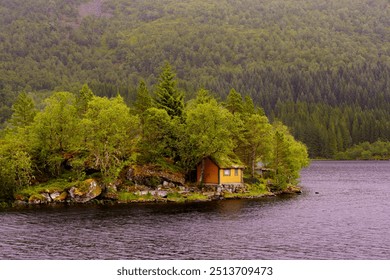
{"points": [[343, 213]]}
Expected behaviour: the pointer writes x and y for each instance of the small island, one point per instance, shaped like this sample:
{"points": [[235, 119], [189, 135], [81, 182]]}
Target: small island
{"points": [[82, 148]]}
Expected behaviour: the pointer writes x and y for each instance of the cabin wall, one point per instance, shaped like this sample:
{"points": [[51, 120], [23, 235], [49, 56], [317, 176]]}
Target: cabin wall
{"points": [[210, 172], [232, 178]]}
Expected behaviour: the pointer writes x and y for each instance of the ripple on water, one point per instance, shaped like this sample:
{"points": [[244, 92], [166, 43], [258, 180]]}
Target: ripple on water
{"points": [[347, 219]]}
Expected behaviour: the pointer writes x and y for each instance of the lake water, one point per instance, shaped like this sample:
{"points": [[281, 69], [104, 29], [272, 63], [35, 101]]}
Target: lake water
{"points": [[343, 213]]}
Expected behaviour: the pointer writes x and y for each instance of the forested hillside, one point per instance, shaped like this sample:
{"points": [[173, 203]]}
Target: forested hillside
{"points": [[322, 67]]}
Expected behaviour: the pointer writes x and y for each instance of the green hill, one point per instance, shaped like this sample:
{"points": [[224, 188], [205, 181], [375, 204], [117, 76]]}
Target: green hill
{"points": [[322, 67]]}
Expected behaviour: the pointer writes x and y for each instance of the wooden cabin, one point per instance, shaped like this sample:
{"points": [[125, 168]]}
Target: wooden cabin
{"points": [[220, 172]]}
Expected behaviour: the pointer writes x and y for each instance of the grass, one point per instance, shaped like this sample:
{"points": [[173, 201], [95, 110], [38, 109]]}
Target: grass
{"points": [[132, 197], [178, 197], [4, 205], [197, 197], [49, 187], [254, 190], [175, 197]]}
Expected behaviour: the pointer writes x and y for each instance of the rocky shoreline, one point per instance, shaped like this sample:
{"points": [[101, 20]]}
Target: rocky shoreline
{"points": [[139, 184]]}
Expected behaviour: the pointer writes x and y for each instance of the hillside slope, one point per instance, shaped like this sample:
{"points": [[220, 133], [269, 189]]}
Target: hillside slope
{"points": [[295, 58]]}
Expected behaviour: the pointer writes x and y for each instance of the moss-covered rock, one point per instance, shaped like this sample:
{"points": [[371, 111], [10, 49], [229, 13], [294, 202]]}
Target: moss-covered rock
{"points": [[87, 190], [154, 177], [61, 197], [110, 192], [37, 199]]}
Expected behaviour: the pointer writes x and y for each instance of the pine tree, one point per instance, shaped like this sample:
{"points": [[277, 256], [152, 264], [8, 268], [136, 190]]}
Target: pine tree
{"points": [[203, 96], [248, 106], [234, 102], [84, 96], [143, 100], [168, 96], [23, 111]]}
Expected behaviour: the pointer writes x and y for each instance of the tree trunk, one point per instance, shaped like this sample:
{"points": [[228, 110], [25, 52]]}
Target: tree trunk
{"points": [[253, 163]]}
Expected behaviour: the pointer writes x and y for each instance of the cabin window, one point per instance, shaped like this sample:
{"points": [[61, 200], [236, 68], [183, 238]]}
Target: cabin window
{"points": [[235, 172], [226, 172]]}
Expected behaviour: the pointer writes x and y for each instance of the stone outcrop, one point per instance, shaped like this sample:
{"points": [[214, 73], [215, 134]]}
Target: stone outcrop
{"points": [[84, 192], [224, 188], [161, 194], [110, 192], [154, 178], [88, 190], [59, 196]]}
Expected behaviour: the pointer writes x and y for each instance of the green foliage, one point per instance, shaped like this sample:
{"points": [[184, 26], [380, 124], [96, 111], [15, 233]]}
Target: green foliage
{"points": [[56, 131], [23, 111], [128, 197], [176, 197], [158, 129], [196, 197], [234, 102], [63, 141], [327, 130], [255, 144], [202, 96], [143, 99], [84, 96], [58, 185], [379, 150], [168, 97], [249, 107], [15, 172], [285, 54], [254, 190], [208, 132], [109, 134], [181, 198], [74, 136], [289, 157], [16, 165]]}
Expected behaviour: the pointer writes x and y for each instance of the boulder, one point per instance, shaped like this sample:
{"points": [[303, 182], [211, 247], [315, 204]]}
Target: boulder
{"points": [[111, 192], [159, 193], [163, 194], [54, 195], [61, 197], [153, 177], [130, 174], [143, 193], [87, 191], [47, 197], [20, 203], [37, 199]]}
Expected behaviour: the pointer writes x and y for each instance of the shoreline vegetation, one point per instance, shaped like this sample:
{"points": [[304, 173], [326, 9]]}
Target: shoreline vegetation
{"points": [[82, 147], [91, 192], [131, 198]]}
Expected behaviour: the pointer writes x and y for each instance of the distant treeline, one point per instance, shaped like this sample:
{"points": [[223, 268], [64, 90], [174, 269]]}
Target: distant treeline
{"points": [[322, 67], [378, 150]]}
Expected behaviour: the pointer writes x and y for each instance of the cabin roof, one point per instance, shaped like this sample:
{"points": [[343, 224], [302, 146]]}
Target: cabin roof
{"points": [[227, 162]]}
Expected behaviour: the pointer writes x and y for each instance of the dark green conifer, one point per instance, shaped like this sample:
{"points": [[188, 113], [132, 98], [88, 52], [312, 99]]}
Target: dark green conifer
{"points": [[23, 111], [168, 97], [143, 100], [234, 102]]}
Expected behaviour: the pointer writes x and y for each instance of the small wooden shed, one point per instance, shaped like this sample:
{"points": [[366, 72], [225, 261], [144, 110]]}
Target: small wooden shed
{"points": [[220, 171]]}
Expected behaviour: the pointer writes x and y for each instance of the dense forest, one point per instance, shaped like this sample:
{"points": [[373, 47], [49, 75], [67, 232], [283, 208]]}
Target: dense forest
{"points": [[321, 67], [83, 136]]}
